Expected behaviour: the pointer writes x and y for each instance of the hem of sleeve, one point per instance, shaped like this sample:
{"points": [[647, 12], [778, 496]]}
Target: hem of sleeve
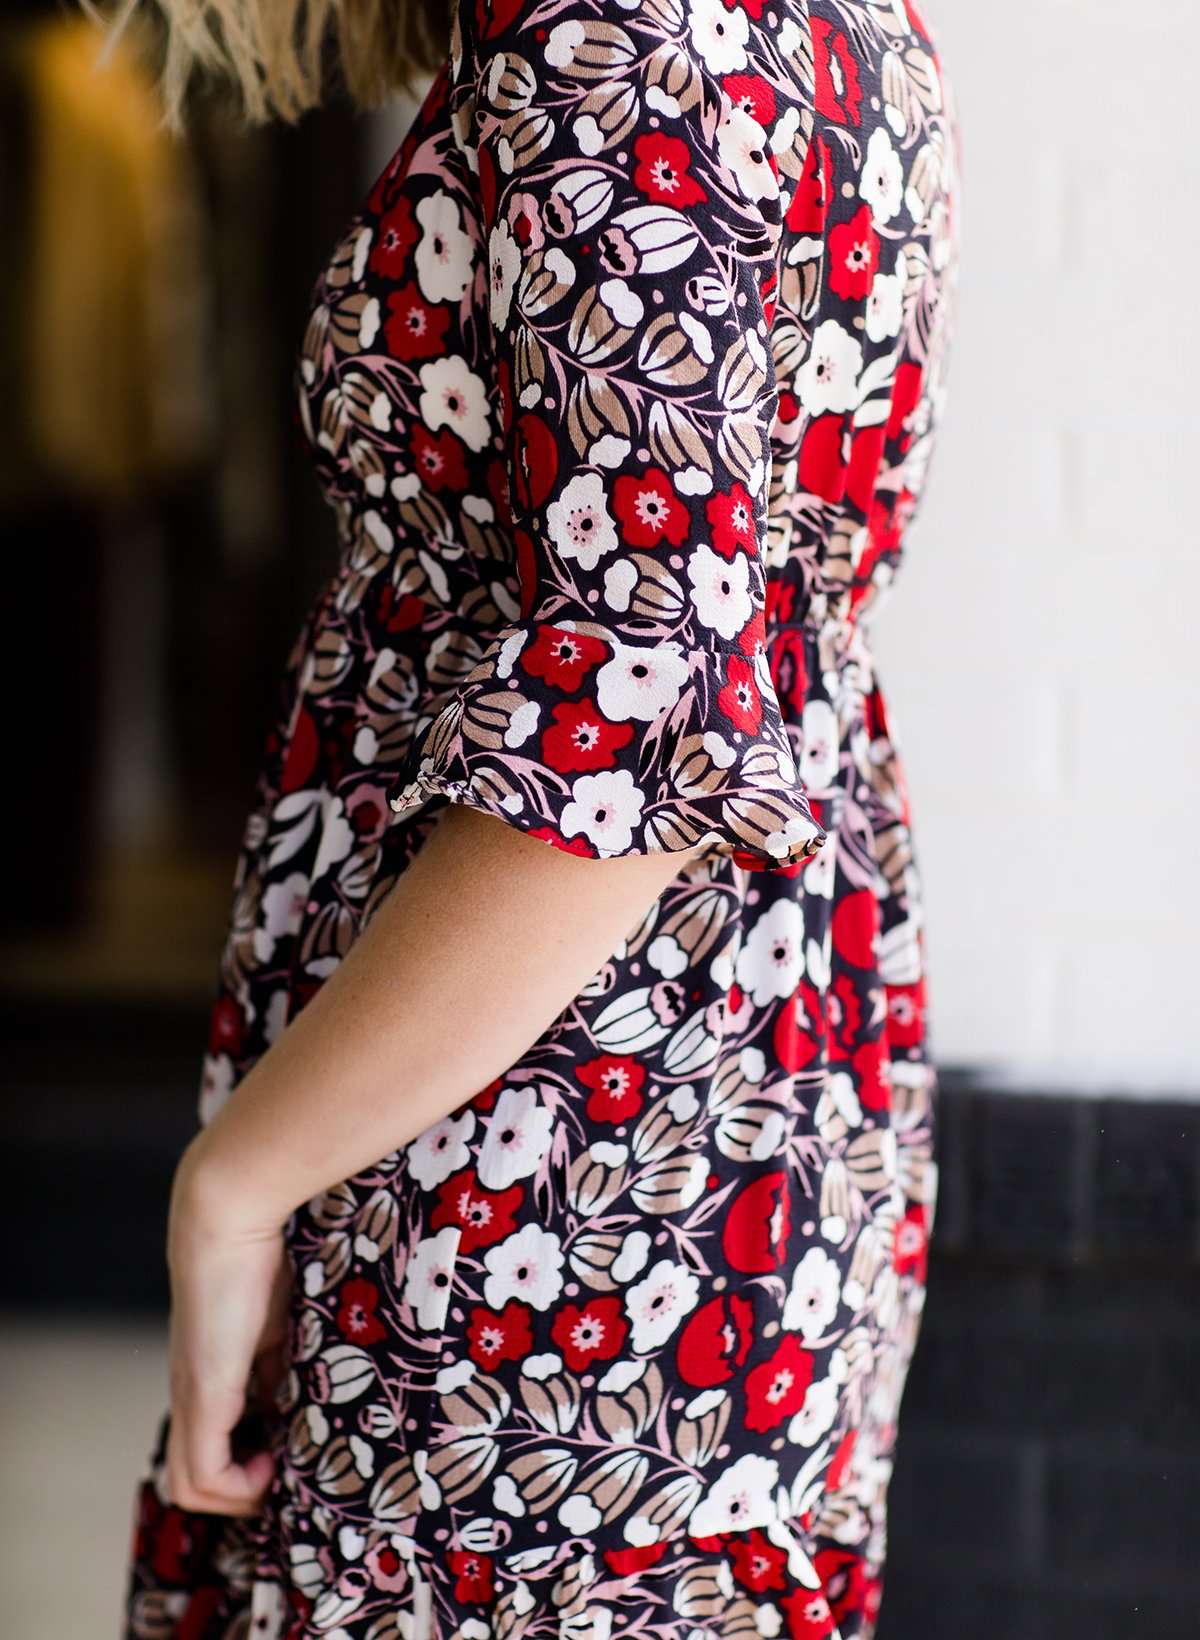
{"points": [[804, 842], [703, 784]]}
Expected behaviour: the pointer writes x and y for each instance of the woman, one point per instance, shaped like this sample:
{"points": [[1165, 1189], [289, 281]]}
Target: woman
{"points": [[567, 1227]]}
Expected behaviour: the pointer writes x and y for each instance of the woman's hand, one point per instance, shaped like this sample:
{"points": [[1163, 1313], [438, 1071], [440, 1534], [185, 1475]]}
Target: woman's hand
{"points": [[230, 1288]]}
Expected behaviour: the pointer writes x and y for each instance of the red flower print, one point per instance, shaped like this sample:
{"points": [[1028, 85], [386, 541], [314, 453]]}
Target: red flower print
{"points": [[534, 461], [839, 92], [623, 1562], [486, 1098], [906, 396], [906, 1014], [649, 511], [662, 170], [822, 464], [356, 1316], [758, 1563], [484, 1216], [873, 1069], [855, 923], [910, 1243], [616, 1085], [789, 668], [170, 1539], [302, 753], [854, 256], [845, 1012], [755, 1232], [808, 1614], [715, 1341], [366, 817], [505, 1336], [866, 454], [843, 1577], [397, 235], [399, 611], [731, 519], [753, 93], [752, 639], [472, 1575], [562, 657], [839, 1466], [202, 1608], [594, 1332], [438, 459], [226, 1027], [414, 328], [574, 845], [776, 1388], [739, 698], [799, 1029], [581, 739]]}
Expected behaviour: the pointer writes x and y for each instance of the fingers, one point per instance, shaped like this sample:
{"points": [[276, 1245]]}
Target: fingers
{"points": [[201, 1472]]}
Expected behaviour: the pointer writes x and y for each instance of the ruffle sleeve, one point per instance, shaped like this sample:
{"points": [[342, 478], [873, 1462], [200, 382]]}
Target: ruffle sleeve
{"points": [[630, 707]]}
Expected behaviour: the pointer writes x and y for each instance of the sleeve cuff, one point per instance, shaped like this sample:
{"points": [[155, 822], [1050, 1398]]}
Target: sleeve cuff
{"points": [[605, 748]]}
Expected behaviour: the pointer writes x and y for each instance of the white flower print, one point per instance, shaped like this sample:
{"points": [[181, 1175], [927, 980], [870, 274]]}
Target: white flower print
{"points": [[885, 305], [882, 184], [771, 963], [631, 1260], [819, 759], [742, 143], [659, 1302], [504, 269], [453, 396], [818, 1414], [526, 1265], [428, 1277], [743, 1495], [604, 807], [441, 1150], [579, 522], [640, 683], [517, 1137], [719, 34], [667, 957], [444, 254], [216, 1084], [828, 379], [812, 1300], [283, 906], [720, 590]]}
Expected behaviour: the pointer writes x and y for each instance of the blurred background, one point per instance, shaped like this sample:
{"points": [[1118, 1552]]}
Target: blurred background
{"points": [[161, 536]]}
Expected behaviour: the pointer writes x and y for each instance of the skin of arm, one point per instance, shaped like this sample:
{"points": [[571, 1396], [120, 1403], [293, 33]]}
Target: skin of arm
{"points": [[485, 938]]}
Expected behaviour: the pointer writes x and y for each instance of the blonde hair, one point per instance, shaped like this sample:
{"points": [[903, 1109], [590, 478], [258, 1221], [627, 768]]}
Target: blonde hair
{"points": [[272, 52]]}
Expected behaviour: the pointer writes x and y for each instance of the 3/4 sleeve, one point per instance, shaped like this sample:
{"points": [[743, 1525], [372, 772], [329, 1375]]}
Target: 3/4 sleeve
{"points": [[629, 214]]}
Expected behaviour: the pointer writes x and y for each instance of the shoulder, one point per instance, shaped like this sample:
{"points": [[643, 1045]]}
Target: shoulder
{"points": [[590, 79]]}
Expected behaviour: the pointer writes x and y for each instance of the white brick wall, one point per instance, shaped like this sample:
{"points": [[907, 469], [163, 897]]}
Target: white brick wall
{"points": [[1039, 651]]}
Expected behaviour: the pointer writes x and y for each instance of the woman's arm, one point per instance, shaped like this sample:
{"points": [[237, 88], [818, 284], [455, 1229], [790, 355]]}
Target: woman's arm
{"points": [[486, 937], [483, 941]]}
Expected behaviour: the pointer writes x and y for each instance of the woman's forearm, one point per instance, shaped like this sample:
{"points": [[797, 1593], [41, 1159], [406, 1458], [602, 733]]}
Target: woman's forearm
{"points": [[486, 937]]}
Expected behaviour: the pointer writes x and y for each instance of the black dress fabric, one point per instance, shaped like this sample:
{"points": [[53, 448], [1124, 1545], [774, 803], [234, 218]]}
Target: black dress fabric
{"points": [[624, 385]]}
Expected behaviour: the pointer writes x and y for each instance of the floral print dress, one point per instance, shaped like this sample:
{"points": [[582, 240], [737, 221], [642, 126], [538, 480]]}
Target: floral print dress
{"points": [[623, 385]]}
